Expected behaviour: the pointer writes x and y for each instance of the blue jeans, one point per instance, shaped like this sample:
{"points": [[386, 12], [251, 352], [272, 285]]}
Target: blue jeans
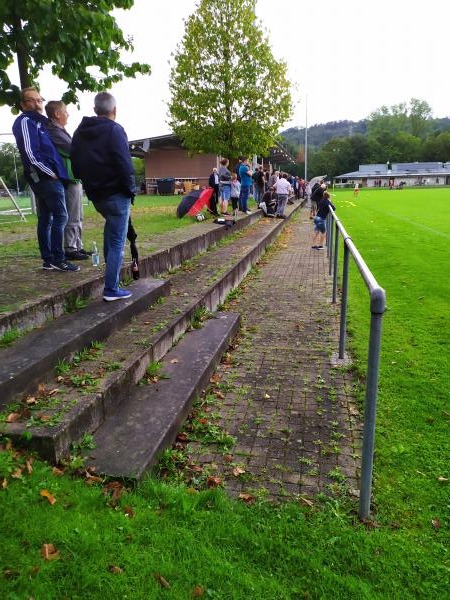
{"points": [[116, 211], [52, 218], [282, 201], [243, 198]]}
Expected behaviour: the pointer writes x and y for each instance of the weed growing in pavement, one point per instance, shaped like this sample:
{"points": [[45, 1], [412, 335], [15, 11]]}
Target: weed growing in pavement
{"points": [[199, 316], [63, 367], [10, 336], [73, 303]]}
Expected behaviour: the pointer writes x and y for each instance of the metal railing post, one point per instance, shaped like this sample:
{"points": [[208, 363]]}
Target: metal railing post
{"points": [[330, 230], [377, 309], [378, 306], [344, 301], [335, 265]]}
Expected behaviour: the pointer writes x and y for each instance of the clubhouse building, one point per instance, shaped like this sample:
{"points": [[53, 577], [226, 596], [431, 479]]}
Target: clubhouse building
{"points": [[397, 175]]}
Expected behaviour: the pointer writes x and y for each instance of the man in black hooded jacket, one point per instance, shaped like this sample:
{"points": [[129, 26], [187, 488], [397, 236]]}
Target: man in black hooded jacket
{"points": [[101, 159]]}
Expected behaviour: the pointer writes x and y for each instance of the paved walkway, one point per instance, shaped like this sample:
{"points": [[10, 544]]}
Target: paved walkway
{"points": [[296, 426]]}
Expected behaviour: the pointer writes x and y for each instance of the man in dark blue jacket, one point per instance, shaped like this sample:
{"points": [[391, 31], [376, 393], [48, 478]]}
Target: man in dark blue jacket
{"points": [[47, 176], [101, 159]]}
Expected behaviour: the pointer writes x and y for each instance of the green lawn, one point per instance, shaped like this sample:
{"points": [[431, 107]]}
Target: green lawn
{"points": [[114, 544]]}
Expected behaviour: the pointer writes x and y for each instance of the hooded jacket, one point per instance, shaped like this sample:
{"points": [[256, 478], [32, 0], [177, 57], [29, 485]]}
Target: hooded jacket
{"points": [[40, 157], [101, 158]]}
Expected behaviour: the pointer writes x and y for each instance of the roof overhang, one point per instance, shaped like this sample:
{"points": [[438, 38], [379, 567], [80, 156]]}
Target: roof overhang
{"points": [[144, 147]]}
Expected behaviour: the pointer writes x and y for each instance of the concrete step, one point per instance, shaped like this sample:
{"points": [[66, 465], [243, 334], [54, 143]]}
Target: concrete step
{"points": [[25, 364], [148, 338], [133, 437], [173, 248]]}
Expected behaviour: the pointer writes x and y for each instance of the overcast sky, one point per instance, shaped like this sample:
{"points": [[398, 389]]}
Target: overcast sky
{"points": [[348, 58]]}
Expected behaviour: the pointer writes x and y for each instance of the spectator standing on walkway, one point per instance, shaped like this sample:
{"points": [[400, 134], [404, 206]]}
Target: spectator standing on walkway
{"points": [[73, 246], [46, 175], [316, 195], [273, 179], [101, 159], [245, 175], [260, 182], [214, 183], [224, 185], [320, 221], [235, 191], [283, 189]]}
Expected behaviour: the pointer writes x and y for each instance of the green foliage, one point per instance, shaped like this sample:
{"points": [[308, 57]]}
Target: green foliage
{"points": [[80, 40], [229, 94], [10, 336], [10, 167]]}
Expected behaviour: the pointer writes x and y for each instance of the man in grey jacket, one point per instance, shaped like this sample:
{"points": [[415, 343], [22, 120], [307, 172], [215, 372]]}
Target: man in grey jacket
{"points": [[73, 246]]}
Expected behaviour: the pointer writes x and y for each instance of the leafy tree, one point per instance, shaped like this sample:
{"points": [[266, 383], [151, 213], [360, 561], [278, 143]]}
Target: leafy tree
{"points": [[10, 167], [78, 38], [437, 148], [228, 93], [414, 119]]}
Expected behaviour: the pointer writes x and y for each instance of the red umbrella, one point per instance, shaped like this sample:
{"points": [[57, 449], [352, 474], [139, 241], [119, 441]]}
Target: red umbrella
{"points": [[194, 201]]}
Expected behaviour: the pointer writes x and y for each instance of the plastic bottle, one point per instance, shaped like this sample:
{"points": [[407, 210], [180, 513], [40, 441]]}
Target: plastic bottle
{"points": [[95, 255]]}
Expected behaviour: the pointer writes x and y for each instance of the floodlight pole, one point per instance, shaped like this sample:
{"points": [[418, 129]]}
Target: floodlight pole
{"points": [[306, 137]]}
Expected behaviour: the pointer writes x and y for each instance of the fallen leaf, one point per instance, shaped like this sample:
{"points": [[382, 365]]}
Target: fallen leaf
{"points": [[53, 392], [58, 472], [41, 390], [49, 552], [28, 463], [114, 569], [198, 591], [266, 396], [34, 571], [195, 468], [228, 458], [30, 400], [60, 378], [160, 579], [4, 483], [215, 378], [13, 417], [442, 479], [306, 501], [182, 437], [203, 421], [17, 474], [10, 574], [44, 418], [49, 496], [147, 322], [238, 471], [436, 523], [247, 498], [91, 479], [129, 512], [213, 481], [219, 395], [174, 360]]}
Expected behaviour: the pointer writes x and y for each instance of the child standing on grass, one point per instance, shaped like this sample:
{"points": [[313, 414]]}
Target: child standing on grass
{"points": [[320, 221]]}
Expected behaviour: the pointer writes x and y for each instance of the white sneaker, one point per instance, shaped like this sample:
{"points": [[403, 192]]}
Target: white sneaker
{"points": [[248, 212]]}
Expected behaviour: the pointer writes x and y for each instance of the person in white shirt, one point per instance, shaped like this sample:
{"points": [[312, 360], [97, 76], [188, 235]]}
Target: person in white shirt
{"points": [[283, 189]]}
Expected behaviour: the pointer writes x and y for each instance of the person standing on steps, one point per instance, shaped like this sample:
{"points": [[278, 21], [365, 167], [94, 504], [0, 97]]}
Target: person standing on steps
{"points": [[101, 159], [245, 176], [73, 246], [46, 175]]}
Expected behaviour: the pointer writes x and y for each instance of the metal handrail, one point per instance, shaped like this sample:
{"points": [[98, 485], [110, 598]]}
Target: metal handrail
{"points": [[377, 309]]}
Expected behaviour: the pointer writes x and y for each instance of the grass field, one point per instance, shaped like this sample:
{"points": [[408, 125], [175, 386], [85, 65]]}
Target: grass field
{"points": [[133, 544]]}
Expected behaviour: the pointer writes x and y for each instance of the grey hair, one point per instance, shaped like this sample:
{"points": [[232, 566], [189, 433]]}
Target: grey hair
{"points": [[104, 104]]}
